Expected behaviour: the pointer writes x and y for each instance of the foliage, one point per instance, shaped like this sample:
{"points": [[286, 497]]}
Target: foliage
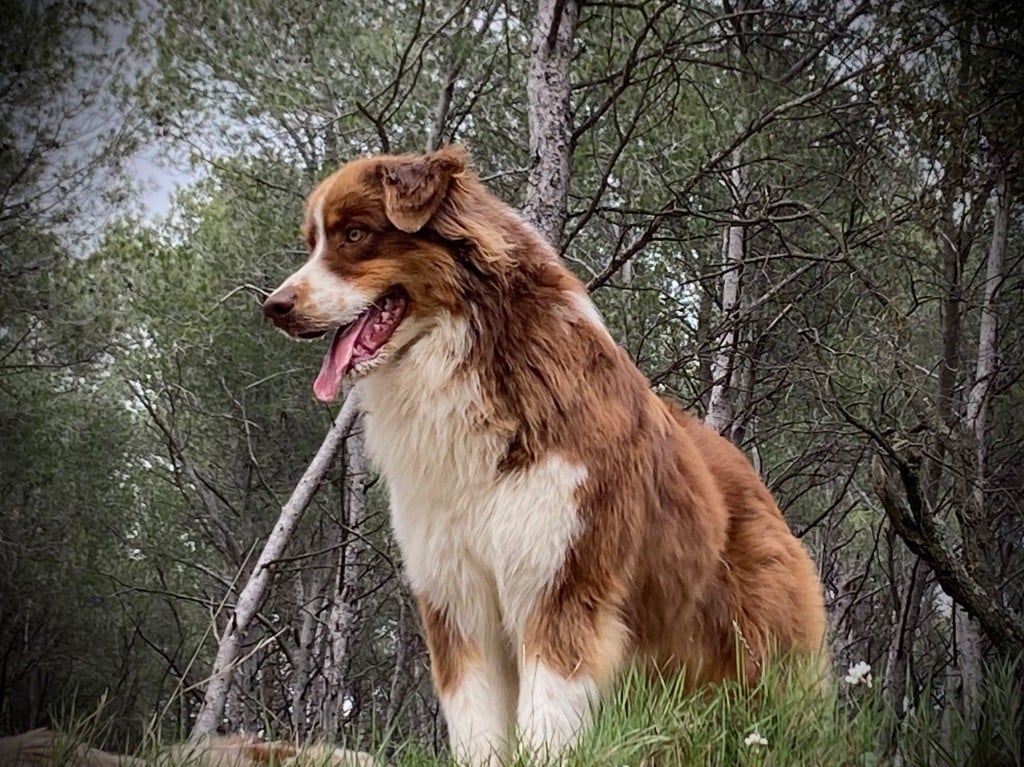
{"points": [[649, 721]]}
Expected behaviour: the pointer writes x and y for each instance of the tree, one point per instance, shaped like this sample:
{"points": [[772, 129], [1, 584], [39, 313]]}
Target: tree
{"points": [[548, 91]]}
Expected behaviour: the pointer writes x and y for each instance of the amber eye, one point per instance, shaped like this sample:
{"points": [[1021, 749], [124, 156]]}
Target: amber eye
{"points": [[355, 234]]}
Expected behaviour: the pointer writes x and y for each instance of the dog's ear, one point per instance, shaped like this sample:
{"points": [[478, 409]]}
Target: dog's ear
{"points": [[415, 187]]}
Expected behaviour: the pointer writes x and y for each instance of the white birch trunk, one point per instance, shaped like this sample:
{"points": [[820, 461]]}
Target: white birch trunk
{"points": [[967, 628], [720, 414], [255, 588], [548, 108], [977, 400]]}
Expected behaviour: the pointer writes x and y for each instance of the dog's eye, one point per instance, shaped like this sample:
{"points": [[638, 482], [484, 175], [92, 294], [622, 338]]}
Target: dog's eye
{"points": [[355, 234]]}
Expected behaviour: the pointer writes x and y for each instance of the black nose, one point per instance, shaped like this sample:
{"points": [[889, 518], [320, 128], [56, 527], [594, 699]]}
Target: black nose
{"points": [[280, 304]]}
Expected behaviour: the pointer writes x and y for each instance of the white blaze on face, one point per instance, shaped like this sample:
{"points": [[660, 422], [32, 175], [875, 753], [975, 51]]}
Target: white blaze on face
{"points": [[321, 230], [323, 295]]}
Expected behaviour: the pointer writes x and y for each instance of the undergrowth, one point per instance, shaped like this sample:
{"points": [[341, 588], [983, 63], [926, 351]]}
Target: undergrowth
{"points": [[650, 722]]}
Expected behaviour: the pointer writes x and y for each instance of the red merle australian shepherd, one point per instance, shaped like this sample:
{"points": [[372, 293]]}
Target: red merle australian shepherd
{"points": [[557, 520]]}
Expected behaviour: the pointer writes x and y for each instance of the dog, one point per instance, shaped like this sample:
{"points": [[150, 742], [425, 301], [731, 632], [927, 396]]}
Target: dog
{"points": [[557, 520], [44, 747]]}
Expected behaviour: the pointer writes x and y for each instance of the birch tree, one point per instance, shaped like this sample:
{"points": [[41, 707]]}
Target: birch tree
{"points": [[976, 421], [728, 360]]}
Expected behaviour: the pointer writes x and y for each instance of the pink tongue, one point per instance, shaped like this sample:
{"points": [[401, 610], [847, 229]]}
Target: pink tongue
{"points": [[327, 385]]}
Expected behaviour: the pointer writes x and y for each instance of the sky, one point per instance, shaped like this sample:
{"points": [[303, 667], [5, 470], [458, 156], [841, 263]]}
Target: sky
{"points": [[103, 61], [158, 180]]}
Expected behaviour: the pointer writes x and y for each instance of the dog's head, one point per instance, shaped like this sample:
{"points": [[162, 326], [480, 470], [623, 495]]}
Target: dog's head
{"points": [[387, 238]]}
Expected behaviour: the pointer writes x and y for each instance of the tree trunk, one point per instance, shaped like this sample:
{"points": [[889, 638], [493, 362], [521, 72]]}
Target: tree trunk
{"points": [[444, 103], [308, 598], [899, 658], [972, 522], [897, 665], [724, 371], [897, 482], [403, 675], [969, 661], [549, 111], [977, 400], [255, 588], [346, 606]]}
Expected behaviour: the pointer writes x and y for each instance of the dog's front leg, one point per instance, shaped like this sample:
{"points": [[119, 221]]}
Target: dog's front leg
{"points": [[567, 659], [475, 680]]}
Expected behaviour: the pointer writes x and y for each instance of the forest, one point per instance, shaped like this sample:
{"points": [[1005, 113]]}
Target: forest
{"points": [[801, 218]]}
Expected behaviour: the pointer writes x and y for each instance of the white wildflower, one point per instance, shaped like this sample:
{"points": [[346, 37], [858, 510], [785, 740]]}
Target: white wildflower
{"points": [[858, 673], [755, 739]]}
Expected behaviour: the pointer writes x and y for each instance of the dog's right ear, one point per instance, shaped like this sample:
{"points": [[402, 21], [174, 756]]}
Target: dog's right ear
{"points": [[415, 187]]}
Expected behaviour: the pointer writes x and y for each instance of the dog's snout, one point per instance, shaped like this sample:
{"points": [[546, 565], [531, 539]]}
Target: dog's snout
{"points": [[280, 304]]}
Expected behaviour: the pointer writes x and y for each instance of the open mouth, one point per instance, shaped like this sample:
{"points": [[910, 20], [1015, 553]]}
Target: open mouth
{"points": [[359, 342]]}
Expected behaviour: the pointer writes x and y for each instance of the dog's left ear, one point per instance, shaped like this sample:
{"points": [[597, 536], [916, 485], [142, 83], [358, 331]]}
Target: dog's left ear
{"points": [[415, 187]]}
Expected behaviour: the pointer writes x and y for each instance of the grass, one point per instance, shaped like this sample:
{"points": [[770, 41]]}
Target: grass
{"points": [[654, 723]]}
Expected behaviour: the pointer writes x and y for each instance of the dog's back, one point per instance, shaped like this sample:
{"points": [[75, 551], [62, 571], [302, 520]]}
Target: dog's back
{"points": [[767, 597]]}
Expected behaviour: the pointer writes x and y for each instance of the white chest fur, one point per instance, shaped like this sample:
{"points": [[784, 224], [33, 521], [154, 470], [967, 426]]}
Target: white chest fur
{"points": [[480, 544]]}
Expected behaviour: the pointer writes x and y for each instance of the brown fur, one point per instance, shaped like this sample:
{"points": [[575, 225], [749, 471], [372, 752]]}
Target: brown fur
{"points": [[452, 652], [684, 560]]}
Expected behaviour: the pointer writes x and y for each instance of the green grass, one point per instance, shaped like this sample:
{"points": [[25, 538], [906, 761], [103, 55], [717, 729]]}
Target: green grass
{"points": [[653, 723]]}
